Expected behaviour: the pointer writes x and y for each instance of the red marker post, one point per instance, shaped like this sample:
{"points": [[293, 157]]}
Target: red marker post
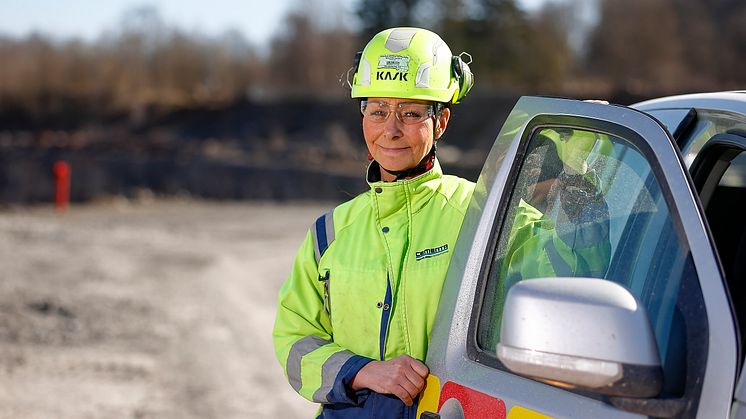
{"points": [[61, 185]]}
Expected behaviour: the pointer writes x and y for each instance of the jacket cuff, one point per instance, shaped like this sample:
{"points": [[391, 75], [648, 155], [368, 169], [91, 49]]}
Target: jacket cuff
{"points": [[341, 392]]}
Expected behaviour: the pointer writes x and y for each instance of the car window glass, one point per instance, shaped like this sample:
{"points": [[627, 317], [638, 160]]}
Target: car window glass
{"points": [[587, 204], [728, 228], [735, 176], [708, 124]]}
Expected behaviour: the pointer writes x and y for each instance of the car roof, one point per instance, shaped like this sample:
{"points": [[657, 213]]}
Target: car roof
{"points": [[734, 101]]}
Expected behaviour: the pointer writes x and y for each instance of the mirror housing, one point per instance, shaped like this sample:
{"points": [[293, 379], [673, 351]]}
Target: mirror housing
{"points": [[583, 333]]}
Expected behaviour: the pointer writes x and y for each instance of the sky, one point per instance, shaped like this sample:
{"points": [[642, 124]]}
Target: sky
{"points": [[87, 19]]}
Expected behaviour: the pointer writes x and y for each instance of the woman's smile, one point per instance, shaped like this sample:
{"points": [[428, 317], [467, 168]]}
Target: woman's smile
{"points": [[393, 149]]}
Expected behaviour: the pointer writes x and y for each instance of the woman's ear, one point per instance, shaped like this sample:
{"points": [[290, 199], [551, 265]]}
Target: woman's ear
{"points": [[441, 122]]}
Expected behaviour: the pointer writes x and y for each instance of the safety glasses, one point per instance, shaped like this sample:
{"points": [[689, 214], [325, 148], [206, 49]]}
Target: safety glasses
{"points": [[407, 113]]}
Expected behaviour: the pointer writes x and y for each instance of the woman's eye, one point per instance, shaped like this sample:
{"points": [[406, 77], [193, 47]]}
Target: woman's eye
{"points": [[412, 114], [378, 113]]}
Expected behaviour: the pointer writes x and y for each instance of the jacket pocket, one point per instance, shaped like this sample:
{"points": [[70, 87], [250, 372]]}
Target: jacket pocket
{"points": [[354, 297], [376, 405]]}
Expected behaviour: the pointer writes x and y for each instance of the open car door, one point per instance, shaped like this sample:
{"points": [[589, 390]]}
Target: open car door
{"points": [[600, 192]]}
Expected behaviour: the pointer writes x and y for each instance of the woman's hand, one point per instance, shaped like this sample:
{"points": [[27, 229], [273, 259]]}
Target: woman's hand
{"points": [[403, 376]]}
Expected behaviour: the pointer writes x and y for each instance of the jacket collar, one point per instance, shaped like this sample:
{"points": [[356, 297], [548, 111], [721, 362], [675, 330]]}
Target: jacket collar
{"points": [[414, 193]]}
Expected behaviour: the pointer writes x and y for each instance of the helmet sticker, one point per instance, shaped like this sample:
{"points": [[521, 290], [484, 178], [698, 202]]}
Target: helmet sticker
{"points": [[395, 62]]}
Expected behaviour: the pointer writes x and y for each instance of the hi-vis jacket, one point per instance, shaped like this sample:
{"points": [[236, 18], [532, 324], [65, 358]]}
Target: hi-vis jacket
{"points": [[365, 286]]}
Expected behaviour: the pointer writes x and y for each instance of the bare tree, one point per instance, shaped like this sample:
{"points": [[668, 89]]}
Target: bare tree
{"points": [[376, 15], [308, 59], [670, 45], [145, 63]]}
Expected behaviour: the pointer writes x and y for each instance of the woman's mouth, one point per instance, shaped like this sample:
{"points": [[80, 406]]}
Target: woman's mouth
{"points": [[393, 150]]}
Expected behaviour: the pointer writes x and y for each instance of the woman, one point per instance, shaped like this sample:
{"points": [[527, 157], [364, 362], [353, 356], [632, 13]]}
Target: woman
{"points": [[355, 315]]}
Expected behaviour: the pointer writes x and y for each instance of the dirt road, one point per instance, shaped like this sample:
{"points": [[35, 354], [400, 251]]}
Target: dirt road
{"points": [[155, 310]]}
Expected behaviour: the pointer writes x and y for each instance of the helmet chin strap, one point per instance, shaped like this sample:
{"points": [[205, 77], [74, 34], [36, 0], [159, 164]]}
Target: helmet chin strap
{"points": [[423, 166]]}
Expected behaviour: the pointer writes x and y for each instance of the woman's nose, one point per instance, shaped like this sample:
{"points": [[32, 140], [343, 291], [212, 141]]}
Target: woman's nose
{"points": [[392, 126]]}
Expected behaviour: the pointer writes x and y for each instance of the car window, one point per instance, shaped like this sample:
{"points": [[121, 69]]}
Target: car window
{"points": [[587, 204], [728, 227], [709, 123], [735, 175]]}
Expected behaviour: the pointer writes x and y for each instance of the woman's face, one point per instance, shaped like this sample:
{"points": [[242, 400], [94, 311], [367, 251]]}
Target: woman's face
{"points": [[398, 146]]}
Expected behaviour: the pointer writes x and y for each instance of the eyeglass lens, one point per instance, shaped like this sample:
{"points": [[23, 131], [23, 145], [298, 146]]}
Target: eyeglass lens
{"points": [[408, 113]]}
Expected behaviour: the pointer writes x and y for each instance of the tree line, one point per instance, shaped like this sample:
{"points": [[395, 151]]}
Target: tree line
{"points": [[640, 46]]}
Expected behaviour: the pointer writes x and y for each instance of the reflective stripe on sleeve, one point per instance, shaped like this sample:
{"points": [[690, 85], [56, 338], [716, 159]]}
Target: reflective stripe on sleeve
{"points": [[329, 372], [584, 235], [300, 349], [560, 267]]}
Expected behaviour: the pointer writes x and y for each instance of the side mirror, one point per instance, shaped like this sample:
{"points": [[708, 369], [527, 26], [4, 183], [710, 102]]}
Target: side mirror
{"points": [[583, 333]]}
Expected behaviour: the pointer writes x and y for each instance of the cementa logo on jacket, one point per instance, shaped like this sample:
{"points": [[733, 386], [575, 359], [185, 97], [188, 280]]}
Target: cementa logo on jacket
{"points": [[428, 253]]}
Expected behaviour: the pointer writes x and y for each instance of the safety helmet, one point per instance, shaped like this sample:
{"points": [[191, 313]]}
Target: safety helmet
{"points": [[411, 63]]}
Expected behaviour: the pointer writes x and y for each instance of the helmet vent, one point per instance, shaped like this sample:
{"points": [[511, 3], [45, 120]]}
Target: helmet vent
{"points": [[399, 39], [423, 75]]}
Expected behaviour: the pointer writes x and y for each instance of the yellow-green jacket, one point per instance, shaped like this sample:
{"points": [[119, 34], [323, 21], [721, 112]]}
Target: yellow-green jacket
{"points": [[366, 282]]}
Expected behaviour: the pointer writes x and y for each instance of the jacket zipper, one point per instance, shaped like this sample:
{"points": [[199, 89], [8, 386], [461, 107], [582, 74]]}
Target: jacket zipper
{"points": [[385, 319]]}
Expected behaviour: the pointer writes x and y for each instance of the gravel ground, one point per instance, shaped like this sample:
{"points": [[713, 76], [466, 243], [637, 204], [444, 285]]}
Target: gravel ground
{"points": [[161, 309]]}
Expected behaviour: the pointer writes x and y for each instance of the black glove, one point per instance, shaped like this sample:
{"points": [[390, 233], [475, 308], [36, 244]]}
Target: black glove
{"points": [[577, 193]]}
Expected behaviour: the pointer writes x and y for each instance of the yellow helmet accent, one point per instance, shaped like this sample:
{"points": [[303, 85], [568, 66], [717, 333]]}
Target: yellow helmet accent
{"points": [[411, 63]]}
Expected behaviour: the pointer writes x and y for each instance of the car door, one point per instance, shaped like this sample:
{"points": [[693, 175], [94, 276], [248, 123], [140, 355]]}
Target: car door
{"points": [[576, 189]]}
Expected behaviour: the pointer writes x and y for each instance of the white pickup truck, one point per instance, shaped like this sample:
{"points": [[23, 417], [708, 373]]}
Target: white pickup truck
{"points": [[601, 268]]}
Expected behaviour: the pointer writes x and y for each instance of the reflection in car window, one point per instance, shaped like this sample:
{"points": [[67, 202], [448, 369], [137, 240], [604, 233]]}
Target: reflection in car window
{"points": [[588, 205], [735, 175], [709, 123]]}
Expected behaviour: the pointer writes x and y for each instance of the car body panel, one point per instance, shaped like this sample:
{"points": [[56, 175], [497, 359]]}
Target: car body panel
{"points": [[453, 335], [724, 101]]}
